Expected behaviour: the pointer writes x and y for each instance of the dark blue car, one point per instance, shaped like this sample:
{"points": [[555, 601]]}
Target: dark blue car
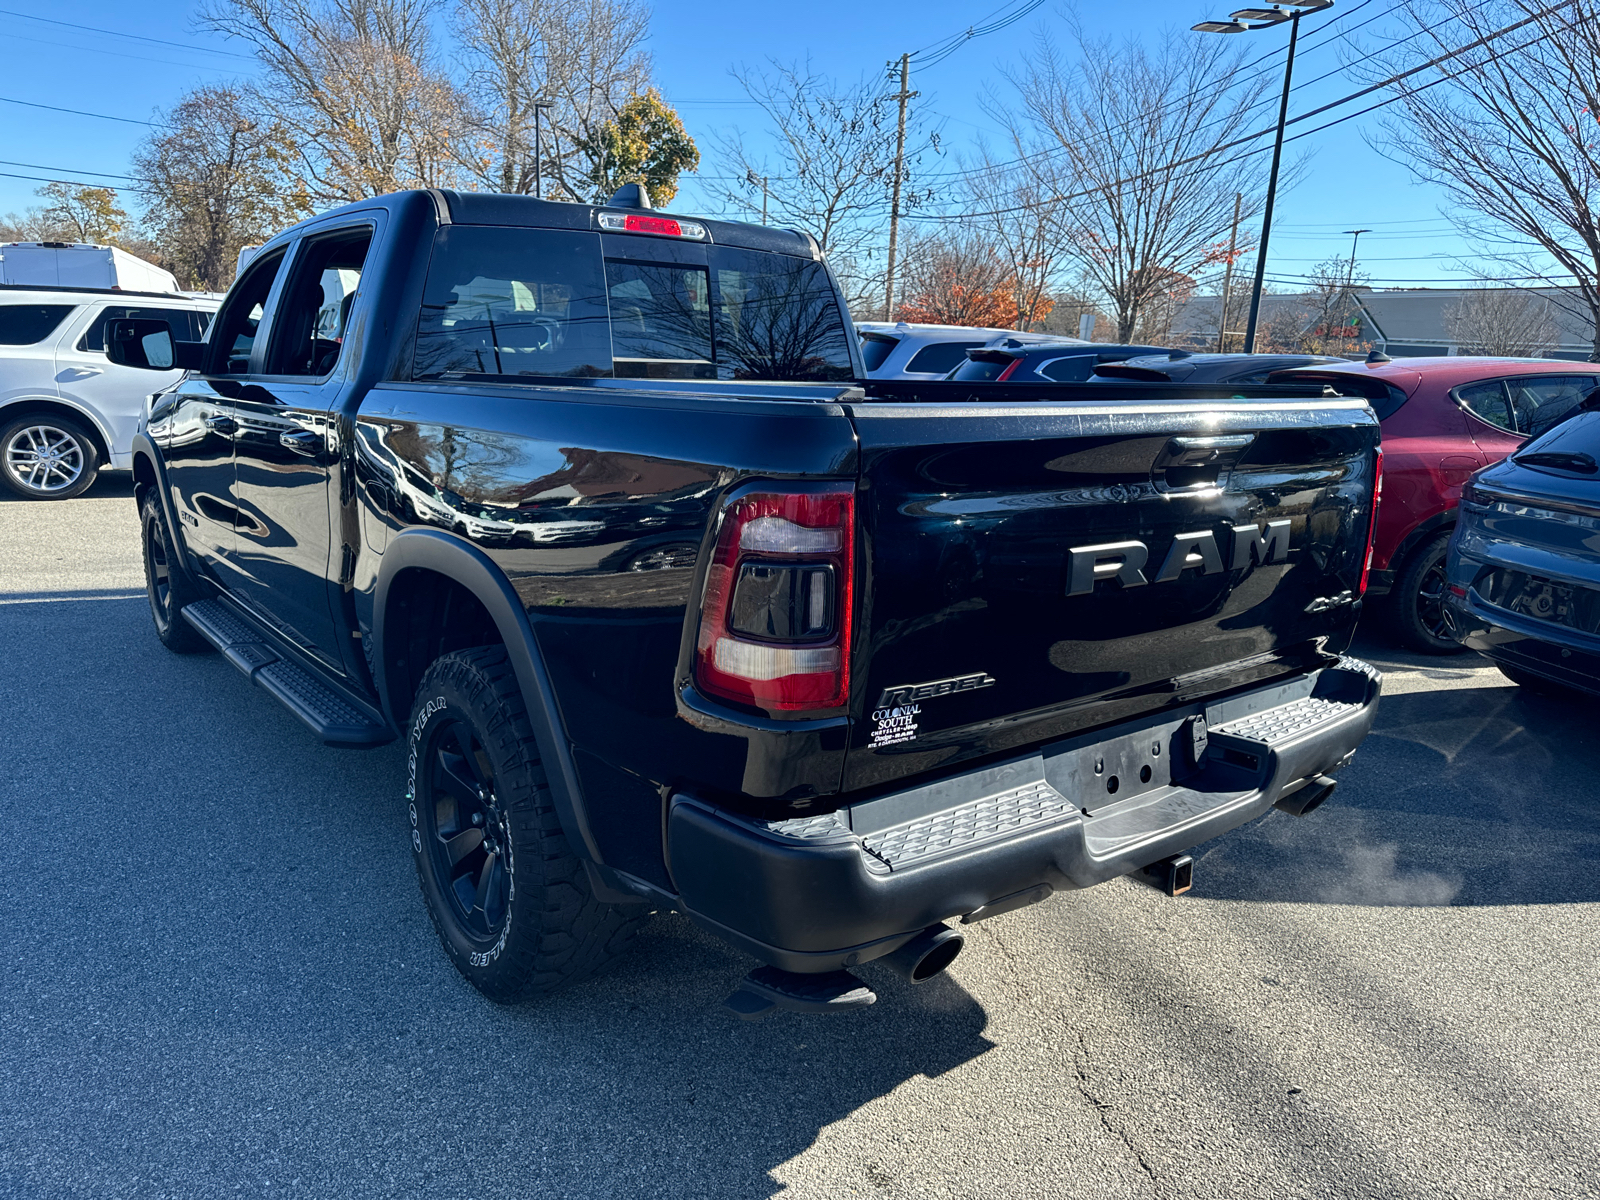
{"points": [[1523, 576]]}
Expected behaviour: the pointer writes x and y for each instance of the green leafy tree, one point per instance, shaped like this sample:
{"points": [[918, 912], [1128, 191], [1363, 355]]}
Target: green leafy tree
{"points": [[81, 214], [644, 143]]}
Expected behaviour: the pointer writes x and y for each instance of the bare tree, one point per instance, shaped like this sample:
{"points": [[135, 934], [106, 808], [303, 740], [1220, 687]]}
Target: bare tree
{"points": [[831, 172], [1018, 221], [578, 61], [213, 179], [355, 84], [1332, 308], [1124, 144], [1505, 322], [1509, 130]]}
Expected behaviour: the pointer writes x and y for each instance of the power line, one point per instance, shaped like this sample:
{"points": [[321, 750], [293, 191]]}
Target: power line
{"points": [[78, 112], [18, 37], [1250, 137], [137, 37]]}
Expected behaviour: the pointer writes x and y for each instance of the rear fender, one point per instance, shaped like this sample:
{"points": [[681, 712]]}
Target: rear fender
{"points": [[460, 561]]}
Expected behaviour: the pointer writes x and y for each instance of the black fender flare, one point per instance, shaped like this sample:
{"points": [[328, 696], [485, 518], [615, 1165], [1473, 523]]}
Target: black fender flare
{"points": [[1423, 531], [143, 447], [465, 564]]}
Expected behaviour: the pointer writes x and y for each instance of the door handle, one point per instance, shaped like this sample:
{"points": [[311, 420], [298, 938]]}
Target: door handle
{"points": [[222, 423], [84, 372], [301, 441]]}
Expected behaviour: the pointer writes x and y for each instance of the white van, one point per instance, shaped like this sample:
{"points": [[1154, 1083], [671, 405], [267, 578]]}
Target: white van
{"points": [[66, 411], [80, 265]]}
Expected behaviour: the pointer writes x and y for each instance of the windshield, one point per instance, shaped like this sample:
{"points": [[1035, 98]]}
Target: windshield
{"points": [[543, 302], [980, 370]]}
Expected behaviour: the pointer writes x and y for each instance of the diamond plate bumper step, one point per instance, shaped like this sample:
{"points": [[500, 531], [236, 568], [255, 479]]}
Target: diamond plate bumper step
{"points": [[327, 708]]}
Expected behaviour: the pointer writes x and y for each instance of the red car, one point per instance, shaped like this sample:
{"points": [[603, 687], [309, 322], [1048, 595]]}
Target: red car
{"points": [[1443, 418]]}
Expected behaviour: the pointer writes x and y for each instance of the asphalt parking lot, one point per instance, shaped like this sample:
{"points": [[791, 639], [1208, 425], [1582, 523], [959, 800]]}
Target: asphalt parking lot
{"points": [[219, 979]]}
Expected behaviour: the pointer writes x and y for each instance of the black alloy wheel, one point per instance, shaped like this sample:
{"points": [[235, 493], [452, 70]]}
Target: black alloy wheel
{"points": [[467, 831], [1418, 600], [166, 585], [512, 904]]}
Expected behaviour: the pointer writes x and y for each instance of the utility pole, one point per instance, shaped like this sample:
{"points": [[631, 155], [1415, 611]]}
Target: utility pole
{"points": [[1227, 274], [905, 93], [1350, 276]]}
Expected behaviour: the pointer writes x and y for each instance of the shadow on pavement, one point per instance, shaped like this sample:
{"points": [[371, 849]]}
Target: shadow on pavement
{"points": [[1477, 795], [227, 982], [108, 485]]}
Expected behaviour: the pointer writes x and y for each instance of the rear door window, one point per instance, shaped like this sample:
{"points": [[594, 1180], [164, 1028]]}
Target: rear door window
{"points": [[941, 357], [186, 326], [28, 324], [1487, 401], [314, 311]]}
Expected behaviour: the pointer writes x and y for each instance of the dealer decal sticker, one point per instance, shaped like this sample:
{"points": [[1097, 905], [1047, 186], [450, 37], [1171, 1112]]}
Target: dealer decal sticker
{"points": [[892, 725]]}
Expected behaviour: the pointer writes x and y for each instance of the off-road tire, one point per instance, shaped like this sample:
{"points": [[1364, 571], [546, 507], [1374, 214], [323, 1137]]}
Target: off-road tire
{"points": [[166, 584], [1416, 600], [1540, 686], [69, 476], [554, 932]]}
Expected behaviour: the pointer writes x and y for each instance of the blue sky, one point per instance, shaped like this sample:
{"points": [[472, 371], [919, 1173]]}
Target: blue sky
{"points": [[1346, 184]]}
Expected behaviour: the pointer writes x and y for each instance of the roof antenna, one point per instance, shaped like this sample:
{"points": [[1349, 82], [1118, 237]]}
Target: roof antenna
{"points": [[1378, 356], [630, 195], [1175, 355]]}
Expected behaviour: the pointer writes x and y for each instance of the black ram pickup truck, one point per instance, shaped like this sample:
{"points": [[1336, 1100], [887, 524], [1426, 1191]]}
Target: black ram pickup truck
{"points": [[677, 610]]}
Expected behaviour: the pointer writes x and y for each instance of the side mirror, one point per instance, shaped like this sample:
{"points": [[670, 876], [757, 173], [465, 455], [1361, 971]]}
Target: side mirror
{"points": [[147, 343]]}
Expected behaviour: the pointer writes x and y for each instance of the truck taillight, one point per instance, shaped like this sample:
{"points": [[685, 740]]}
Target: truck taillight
{"points": [[775, 619], [1372, 524]]}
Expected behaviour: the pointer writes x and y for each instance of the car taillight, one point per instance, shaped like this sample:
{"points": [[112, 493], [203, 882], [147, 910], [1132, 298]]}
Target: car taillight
{"points": [[775, 619], [1372, 525]]}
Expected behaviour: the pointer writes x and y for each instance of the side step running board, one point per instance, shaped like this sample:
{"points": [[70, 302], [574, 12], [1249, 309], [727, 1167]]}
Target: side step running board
{"points": [[328, 709]]}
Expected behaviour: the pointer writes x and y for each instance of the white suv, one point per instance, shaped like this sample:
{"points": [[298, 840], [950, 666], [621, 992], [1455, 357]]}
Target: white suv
{"points": [[66, 411]]}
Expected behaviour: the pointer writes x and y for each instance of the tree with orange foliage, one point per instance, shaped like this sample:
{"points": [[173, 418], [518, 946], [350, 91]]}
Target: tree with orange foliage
{"points": [[964, 279]]}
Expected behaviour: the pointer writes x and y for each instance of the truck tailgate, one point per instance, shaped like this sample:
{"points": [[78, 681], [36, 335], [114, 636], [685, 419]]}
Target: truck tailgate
{"points": [[1035, 569]]}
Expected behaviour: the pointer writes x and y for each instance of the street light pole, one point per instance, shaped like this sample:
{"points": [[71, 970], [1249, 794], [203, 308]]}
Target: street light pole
{"points": [[1268, 17], [1350, 274]]}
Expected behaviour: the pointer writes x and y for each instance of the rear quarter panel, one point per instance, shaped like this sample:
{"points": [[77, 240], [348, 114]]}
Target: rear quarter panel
{"points": [[595, 503]]}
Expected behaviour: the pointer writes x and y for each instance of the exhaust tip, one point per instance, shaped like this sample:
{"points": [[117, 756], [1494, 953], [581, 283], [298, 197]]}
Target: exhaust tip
{"points": [[1306, 800], [927, 954]]}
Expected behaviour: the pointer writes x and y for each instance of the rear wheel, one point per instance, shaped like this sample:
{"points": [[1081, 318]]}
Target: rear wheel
{"points": [[1417, 601], [47, 458], [509, 899], [167, 586]]}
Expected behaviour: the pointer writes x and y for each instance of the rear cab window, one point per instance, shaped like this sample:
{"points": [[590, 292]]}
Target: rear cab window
{"points": [[555, 303], [29, 324]]}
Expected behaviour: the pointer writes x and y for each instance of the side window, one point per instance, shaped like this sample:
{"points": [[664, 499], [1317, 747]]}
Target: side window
{"points": [[1070, 370], [26, 324], [513, 302], [182, 322], [314, 310], [1487, 401], [941, 357], [236, 325], [1540, 402]]}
